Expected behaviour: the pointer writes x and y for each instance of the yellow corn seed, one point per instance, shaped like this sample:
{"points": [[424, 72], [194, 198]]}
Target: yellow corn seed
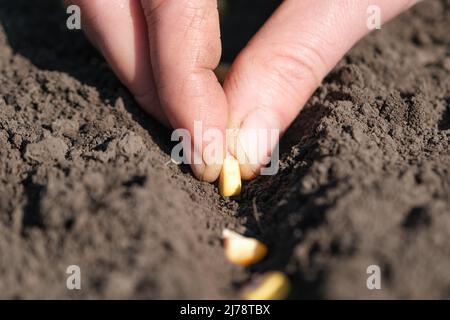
{"points": [[230, 177], [242, 250], [274, 285]]}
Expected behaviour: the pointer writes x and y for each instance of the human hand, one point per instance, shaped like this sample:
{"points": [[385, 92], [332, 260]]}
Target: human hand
{"points": [[165, 52]]}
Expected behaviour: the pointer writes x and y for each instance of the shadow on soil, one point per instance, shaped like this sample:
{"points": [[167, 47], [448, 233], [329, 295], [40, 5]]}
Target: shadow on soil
{"points": [[279, 213]]}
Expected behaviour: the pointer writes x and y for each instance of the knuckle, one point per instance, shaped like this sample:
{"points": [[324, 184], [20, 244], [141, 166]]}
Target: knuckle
{"points": [[193, 24], [191, 13], [296, 66], [152, 6], [151, 10]]}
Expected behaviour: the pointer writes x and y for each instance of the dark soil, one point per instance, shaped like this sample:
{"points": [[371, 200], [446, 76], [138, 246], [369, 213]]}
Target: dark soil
{"points": [[86, 177]]}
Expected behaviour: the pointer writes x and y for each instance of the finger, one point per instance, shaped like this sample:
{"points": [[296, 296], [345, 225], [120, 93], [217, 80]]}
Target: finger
{"points": [[118, 29], [185, 49], [274, 76]]}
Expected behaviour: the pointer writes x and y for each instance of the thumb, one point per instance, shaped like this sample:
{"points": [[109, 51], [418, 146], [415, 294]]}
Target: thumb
{"points": [[274, 76]]}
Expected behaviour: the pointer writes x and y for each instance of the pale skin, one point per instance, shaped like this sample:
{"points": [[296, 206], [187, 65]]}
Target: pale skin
{"points": [[165, 51]]}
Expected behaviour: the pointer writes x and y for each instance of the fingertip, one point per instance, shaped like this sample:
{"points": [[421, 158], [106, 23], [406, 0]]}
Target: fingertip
{"points": [[254, 142], [211, 173], [206, 172], [249, 172], [198, 170]]}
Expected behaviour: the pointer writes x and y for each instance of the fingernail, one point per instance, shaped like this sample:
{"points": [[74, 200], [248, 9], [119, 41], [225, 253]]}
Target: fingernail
{"points": [[257, 137], [213, 165], [197, 164], [209, 164]]}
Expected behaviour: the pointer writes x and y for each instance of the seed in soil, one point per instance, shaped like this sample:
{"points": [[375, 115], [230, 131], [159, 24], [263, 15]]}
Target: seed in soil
{"points": [[242, 250], [273, 285], [230, 177]]}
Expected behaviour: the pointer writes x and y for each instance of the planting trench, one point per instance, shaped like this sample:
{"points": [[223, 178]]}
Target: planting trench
{"points": [[86, 177]]}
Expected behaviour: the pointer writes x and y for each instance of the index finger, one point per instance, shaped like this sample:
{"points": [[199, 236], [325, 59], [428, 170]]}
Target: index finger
{"points": [[185, 48]]}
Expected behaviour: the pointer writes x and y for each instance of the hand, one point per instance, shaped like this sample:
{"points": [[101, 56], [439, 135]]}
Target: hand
{"points": [[165, 52]]}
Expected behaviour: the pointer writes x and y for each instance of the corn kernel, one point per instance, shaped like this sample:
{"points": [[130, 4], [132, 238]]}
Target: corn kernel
{"points": [[242, 250], [230, 177], [274, 285]]}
